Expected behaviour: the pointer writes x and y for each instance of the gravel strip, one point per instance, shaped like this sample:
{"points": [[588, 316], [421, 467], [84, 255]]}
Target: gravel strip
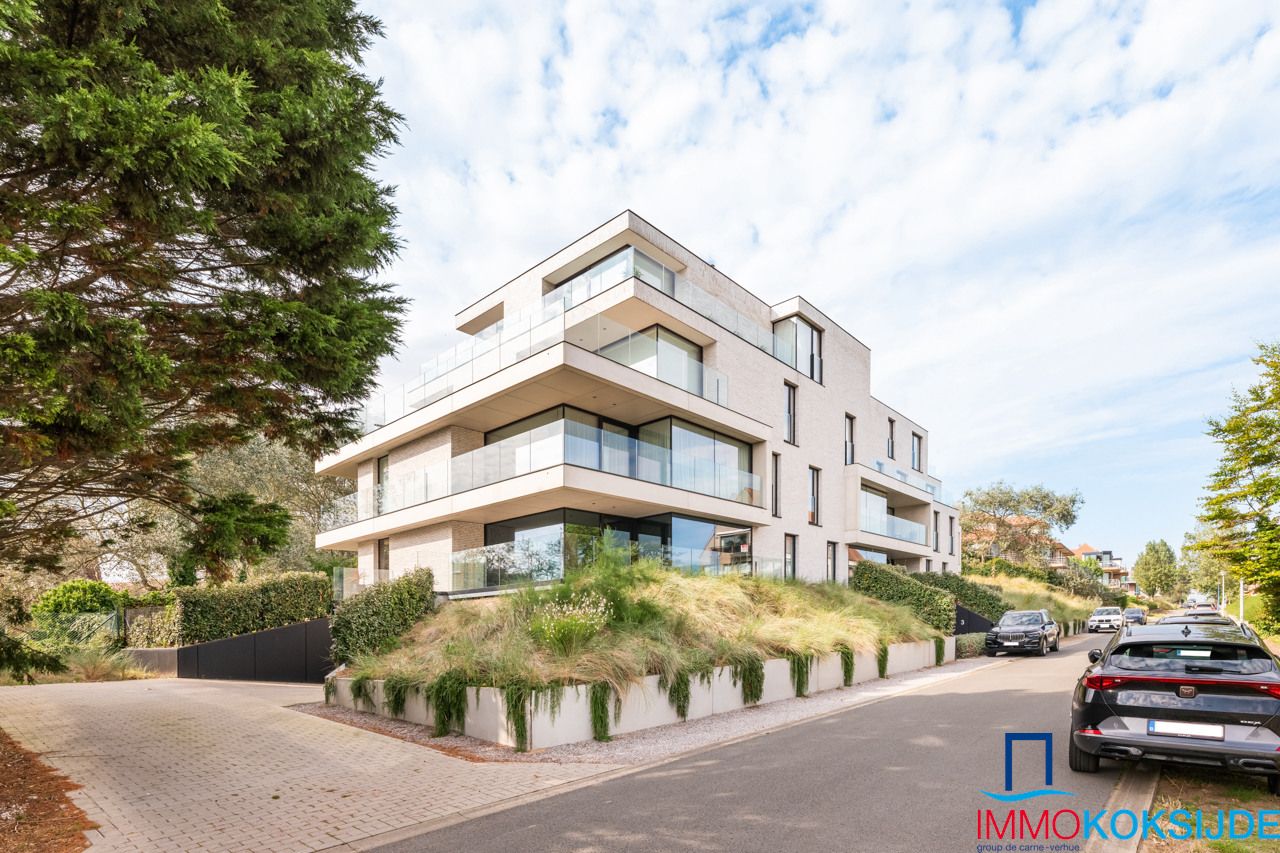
{"points": [[657, 743]]}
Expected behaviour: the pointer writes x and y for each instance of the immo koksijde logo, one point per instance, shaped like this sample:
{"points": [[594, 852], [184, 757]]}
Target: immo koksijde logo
{"points": [[1017, 823]]}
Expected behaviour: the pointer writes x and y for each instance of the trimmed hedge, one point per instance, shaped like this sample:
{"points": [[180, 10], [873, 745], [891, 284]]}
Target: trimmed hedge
{"points": [[372, 620], [978, 598], [934, 607], [157, 630], [218, 612]]}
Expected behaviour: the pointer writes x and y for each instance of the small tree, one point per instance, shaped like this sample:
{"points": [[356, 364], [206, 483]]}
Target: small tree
{"points": [[1018, 523], [1156, 570], [233, 532]]}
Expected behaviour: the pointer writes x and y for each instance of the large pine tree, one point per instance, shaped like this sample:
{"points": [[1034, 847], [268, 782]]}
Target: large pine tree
{"points": [[188, 234]]}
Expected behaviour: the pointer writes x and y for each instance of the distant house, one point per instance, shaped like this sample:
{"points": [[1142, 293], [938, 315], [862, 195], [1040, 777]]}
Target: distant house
{"points": [[1115, 574]]}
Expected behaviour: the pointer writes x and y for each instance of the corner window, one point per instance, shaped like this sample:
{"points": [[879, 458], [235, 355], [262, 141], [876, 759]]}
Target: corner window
{"points": [[799, 344], [815, 495], [789, 412], [917, 452], [789, 542], [850, 427], [889, 446]]}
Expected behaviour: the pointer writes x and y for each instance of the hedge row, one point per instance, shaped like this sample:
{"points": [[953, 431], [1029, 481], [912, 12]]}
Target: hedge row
{"points": [[372, 620], [979, 598], [156, 630], [934, 607], [217, 612], [1001, 566]]}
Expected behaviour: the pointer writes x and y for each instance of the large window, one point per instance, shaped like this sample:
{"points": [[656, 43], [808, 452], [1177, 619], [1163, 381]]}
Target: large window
{"points": [[917, 451], [789, 412], [850, 432], [775, 485], [662, 354], [815, 495], [799, 344], [889, 447], [789, 542]]}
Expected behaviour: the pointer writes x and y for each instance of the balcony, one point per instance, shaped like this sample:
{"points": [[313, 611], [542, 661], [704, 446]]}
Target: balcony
{"points": [[563, 442], [894, 528]]}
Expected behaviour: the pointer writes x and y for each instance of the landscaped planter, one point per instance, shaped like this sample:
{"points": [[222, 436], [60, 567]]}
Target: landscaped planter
{"points": [[645, 705]]}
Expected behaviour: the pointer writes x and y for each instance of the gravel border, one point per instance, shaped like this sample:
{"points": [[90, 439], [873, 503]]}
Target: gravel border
{"points": [[657, 743]]}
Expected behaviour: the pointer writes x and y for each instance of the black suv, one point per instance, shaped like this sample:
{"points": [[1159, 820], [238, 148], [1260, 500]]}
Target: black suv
{"points": [[1194, 693], [1023, 631]]}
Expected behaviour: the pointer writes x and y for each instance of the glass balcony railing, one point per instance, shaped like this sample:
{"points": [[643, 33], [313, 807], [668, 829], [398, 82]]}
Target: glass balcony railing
{"points": [[908, 477], [894, 527], [563, 442]]}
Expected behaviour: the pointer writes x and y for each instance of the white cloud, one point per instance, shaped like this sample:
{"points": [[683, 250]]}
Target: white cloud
{"points": [[1044, 239]]}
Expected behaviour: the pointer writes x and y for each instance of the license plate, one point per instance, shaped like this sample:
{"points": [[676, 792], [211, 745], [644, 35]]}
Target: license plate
{"points": [[1172, 728], [1012, 643]]}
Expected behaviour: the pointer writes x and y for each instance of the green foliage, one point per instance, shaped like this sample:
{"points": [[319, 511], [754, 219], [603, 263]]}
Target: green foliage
{"points": [[1242, 507], [362, 691], [935, 607], [395, 691], [235, 531], [846, 665], [22, 660], [150, 598], [156, 630], [516, 697], [213, 613], [190, 233], [882, 660], [448, 698], [1203, 565], [565, 627], [801, 665], [981, 599], [600, 693], [1157, 572], [77, 596], [1000, 566], [939, 651], [372, 620], [679, 688], [970, 645], [1004, 519], [330, 688], [749, 672]]}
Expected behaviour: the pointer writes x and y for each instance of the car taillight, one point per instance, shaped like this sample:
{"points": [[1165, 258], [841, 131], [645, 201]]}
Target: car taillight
{"points": [[1090, 731], [1104, 682], [1110, 682]]}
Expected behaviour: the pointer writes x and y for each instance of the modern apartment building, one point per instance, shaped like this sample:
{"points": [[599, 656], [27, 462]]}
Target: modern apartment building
{"points": [[1115, 573], [626, 389]]}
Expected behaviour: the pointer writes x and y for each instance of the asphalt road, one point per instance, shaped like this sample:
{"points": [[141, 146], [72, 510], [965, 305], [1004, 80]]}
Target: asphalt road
{"points": [[902, 774]]}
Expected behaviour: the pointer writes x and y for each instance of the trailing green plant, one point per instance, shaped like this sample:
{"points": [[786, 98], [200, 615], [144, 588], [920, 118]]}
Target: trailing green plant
{"points": [[599, 695], [360, 691], [273, 601], [395, 691], [801, 664], [935, 607], [448, 698], [371, 621], [882, 660], [846, 665], [330, 688], [970, 645], [979, 598], [79, 595], [679, 687], [749, 672], [939, 651]]}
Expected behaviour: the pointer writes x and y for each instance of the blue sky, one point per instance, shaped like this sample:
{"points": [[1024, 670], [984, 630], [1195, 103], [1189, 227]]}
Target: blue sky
{"points": [[1055, 224]]}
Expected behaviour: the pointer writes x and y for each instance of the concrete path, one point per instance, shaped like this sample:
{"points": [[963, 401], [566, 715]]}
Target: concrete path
{"points": [[179, 764], [902, 774]]}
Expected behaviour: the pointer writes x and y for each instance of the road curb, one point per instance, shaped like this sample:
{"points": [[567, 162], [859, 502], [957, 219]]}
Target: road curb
{"points": [[1134, 792]]}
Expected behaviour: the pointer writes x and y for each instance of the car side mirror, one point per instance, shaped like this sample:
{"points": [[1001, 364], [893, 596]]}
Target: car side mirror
{"points": [[1095, 655]]}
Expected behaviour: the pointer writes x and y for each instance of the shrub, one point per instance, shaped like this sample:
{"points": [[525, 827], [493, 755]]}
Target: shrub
{"points": [[564, 627], [970, 645], [1001, 566], [150, 598], [154, 630], [934, 607], [980, 599], [101, 664], [77, 596], [369, 622], [214, 613]]}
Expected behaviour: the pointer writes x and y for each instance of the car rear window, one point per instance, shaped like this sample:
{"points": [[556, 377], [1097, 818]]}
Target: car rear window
{"points": [[1107, 611], [1192, 657]]}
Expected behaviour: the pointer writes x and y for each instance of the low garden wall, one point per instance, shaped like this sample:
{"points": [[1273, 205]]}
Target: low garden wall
{"points": [[646, 705]]}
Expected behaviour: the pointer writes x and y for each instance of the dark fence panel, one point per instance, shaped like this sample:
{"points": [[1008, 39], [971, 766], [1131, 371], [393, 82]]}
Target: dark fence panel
{"points": [[297, 653], [968, 622]]}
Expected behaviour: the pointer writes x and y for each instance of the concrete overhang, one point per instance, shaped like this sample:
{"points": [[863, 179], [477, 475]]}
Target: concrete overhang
{"points": [[905, 493]]}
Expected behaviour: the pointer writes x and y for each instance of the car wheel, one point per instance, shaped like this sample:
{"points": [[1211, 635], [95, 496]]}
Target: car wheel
{"points": [[1083, 762], [1044, 647], [1057, 642], [1273, 784]]}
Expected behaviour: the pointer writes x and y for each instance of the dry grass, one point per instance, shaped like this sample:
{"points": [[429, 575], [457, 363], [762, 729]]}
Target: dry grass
{"points": [[672, 623], [89, 663], [1026, 594]]}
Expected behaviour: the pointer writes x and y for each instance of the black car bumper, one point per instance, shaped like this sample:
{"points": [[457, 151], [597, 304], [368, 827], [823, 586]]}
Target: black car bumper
{"points": [[1030, 644], [1242, 756]]}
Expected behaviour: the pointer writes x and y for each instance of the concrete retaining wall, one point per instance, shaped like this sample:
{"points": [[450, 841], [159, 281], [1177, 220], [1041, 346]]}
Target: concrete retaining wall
{"points": [[645, 705]]}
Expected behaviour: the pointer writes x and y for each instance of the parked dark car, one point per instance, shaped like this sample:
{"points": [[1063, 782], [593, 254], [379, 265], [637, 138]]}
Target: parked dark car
{"points": [[1203, 694], [1197, 619], [1135, 616], [1023, 631]]}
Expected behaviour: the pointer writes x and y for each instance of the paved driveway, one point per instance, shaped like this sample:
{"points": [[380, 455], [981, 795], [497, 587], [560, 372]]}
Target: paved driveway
{"points": [[176, 764]]}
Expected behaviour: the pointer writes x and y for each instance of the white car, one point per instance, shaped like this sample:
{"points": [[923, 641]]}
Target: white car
{"points": [[1106, 619]]}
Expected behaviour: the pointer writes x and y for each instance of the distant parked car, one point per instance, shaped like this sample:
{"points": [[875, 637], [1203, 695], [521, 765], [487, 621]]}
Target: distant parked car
{"points": [[1106, 619], [1135, 616], [1024, 631]]}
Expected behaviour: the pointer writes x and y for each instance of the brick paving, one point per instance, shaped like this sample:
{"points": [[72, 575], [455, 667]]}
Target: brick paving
{"points": [[179, 764]]}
